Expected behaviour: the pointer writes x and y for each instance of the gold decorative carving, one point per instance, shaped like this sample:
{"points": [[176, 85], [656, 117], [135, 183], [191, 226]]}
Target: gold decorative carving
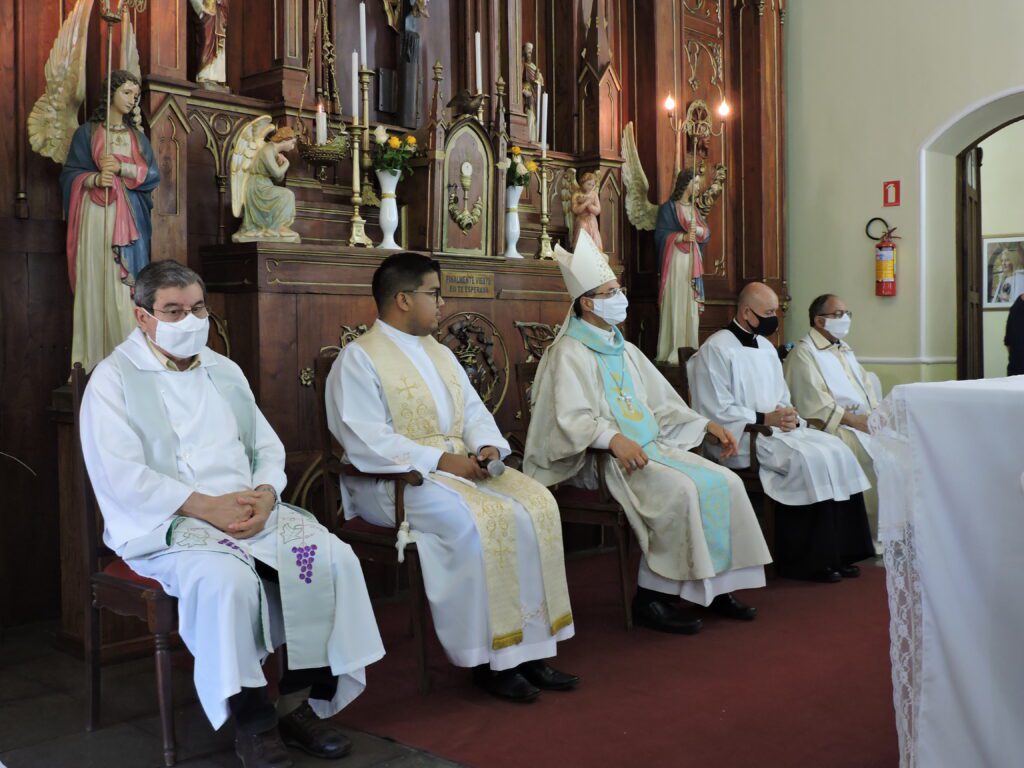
{"points": [[537, 337], [704, 5], [714, 53], [480, 349], [220, 327], [349, 334], [465, 219], [306, 377]]}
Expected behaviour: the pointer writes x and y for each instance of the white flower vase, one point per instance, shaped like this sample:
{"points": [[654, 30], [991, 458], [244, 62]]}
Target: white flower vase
{"points": [[388, 208], [512, 195]]}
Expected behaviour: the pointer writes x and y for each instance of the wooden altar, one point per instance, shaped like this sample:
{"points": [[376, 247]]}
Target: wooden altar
{"points": [[604, 62]]}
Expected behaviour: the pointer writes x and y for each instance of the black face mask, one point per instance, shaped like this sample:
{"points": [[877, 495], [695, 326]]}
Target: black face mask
{"points": [[766, 326]]}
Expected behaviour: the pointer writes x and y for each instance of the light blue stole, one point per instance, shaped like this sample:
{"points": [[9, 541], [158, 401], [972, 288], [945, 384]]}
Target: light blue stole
{"points": [[636, 422]]}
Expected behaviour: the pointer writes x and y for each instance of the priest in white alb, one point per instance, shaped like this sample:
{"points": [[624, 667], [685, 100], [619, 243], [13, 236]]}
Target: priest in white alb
{"points": [[827, 383], [490, 545], [188, 475], [736, 379], [593, 390]]}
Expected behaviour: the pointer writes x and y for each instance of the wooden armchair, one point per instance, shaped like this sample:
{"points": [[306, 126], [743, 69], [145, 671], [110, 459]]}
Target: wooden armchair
{"points": [[372, 543], [113, 586], [580, 505]]}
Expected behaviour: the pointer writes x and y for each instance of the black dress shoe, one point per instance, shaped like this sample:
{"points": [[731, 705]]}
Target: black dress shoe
{"points": [[507, 684], [320, 738], [825, 576], [849, 571], [728, 606], [262, 750], [657, 615], [547, 678]]}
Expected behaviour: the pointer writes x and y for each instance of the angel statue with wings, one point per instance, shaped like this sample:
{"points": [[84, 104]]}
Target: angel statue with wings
{"points": [[680, 230], [107, 183], [107, 180], [257, 162]]}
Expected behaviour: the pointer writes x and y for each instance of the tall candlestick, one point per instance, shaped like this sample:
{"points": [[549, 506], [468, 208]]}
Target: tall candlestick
{"points": [[321, 124], [544, 121], [544, 251], [355, 88], [479, 66], [358, 236], [362, 33]]}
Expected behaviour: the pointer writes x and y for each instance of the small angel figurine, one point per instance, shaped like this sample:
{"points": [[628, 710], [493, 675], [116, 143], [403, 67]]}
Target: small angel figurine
{"points": [[257, 162], [586, 207]]}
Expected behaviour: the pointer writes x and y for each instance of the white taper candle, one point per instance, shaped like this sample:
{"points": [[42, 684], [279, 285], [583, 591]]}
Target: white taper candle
{"points": [[479, 66], [362, 33], [355, 87]]}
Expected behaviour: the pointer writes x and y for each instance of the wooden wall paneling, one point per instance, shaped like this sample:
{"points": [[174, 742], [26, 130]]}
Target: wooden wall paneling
{"points": [[166, 106], [35, 344], [276, 45], [162, 37]]}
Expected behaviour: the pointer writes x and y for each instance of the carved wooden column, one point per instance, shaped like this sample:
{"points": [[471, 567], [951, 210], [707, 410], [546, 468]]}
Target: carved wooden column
{"points": [[162, 37], [274, 58], [758, 27], [512, 42]]}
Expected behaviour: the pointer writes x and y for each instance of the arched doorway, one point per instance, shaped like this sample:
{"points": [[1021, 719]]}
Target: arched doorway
{"points": [[950, 244]]}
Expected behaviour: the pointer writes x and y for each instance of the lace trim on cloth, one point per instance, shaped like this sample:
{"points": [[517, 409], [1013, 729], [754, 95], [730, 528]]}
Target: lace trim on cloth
{"points": [[896, 485]]}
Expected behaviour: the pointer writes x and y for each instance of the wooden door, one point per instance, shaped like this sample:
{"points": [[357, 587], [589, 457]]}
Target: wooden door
{"points": [[969, 361]]}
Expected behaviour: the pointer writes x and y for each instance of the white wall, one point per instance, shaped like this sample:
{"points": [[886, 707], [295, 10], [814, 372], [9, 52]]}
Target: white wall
{"points": [[875, 90], [1002, 213]]}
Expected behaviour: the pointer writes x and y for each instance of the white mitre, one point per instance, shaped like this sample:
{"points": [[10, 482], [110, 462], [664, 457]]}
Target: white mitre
{"points": [[585, 268]]}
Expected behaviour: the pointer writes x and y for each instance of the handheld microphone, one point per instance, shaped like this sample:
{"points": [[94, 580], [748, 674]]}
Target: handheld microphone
{"points": [[494, 467]]}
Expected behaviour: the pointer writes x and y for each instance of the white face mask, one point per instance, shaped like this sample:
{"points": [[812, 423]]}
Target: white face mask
{"points": [[838, 326], [185, 338], [613, 309]]}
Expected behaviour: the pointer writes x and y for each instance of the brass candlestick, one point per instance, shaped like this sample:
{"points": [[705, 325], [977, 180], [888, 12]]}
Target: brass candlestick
{"points": [[358, 224], [545, 251], [369, 194]]}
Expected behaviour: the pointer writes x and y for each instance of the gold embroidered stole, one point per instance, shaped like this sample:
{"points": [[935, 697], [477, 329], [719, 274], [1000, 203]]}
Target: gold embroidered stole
{"points": [[414, 414]]}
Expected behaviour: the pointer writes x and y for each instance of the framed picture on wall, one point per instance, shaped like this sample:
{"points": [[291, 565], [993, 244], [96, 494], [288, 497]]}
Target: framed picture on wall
{"points": [[1003, 270]]}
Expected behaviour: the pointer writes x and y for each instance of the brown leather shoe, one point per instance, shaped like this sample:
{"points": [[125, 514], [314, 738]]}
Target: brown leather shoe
{"points": [[262, 750], [320, 738]]}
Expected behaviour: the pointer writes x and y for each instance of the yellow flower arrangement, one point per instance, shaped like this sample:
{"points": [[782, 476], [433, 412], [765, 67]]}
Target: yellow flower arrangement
{"points": [[394, 142], [515, 150], [391, 153], [410, 140]]}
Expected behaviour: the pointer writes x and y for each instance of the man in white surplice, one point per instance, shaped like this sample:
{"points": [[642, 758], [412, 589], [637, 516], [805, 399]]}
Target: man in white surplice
{"points": [[697, 530], [828, 383], [736, 379], [490, 547], [188, 475]]}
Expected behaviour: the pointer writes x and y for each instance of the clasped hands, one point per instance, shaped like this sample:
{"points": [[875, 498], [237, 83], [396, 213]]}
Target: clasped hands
{"points": [[783, 417], [110, 166], [469, 467], [631, 456], [242, 514]]}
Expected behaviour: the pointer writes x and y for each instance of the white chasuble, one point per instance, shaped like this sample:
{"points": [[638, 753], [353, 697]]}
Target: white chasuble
{"points": [[570, 413], [730, 384], [491, 551], [151, 437]]}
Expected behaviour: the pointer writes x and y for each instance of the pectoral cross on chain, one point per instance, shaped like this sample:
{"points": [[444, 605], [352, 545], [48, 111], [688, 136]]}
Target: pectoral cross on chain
{"points": [[626, 399]]}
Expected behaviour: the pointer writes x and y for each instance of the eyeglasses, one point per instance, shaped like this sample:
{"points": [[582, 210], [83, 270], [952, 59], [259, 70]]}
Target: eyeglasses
{"points": [[838, 314], [178, 313], [435, 293], [608, 294]]}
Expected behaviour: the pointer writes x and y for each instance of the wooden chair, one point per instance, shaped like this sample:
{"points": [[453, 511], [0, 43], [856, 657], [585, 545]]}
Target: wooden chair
{"points": [[113, 586], [580, 505], [372, 543]]}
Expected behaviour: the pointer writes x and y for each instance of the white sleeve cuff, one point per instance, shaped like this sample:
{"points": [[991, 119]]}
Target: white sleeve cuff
{"points": [[604, 441]]}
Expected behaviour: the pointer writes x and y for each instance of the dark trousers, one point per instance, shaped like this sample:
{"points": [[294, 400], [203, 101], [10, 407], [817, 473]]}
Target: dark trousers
{"points": [[251, 707], [829, 534]]}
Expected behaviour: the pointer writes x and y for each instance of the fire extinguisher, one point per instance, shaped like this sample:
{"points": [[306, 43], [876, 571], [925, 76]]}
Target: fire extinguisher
{"points": [[885, 258]]}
